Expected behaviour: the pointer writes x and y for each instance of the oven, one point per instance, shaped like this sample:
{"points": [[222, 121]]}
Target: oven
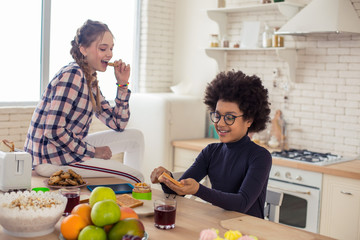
{"points": [[301, 200], [302, 189]]}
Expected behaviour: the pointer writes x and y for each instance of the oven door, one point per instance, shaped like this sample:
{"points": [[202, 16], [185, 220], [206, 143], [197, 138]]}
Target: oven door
{"points": [[300, 205]]}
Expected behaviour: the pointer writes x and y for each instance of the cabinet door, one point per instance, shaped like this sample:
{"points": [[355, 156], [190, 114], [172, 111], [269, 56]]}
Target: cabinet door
{"points": [[340, 211], [184, 158]]}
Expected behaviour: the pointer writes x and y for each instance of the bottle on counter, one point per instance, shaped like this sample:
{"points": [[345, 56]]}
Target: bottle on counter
{"points": [[214, 40], [267, 37], [277, 40]]}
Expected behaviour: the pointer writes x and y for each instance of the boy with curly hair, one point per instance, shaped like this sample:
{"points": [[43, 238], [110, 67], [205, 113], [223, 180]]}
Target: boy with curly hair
{"points": [[238, 168]]}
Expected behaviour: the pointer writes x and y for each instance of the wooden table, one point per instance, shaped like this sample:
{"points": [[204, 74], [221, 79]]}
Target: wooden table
{"points": [[191, 217]]}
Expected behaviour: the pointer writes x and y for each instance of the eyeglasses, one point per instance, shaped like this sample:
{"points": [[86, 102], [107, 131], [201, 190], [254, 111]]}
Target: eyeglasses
{"points": [[229, 119]]}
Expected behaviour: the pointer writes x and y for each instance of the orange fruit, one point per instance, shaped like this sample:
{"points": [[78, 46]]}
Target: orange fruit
{"points": [[127, 212], [84, 211], [71, 226]]}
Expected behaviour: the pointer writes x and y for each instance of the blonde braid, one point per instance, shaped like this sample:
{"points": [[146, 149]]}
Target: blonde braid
{"points": [[85, 35]]}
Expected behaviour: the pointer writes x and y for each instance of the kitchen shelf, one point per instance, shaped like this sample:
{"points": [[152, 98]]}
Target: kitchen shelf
{"points": [[219, 15], [244, 49], [286, 54], [288, 8]]}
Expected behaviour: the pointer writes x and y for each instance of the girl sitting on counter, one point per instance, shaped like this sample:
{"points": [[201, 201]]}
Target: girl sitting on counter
{"points": [[58, 138], [238, 168]]}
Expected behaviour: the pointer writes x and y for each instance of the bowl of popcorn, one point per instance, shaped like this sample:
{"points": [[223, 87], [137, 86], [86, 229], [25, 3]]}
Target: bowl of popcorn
{"points": [[30, 214]]}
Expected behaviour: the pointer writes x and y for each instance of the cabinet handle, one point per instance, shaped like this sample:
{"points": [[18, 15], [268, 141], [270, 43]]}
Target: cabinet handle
{"points": [[346, 193]]}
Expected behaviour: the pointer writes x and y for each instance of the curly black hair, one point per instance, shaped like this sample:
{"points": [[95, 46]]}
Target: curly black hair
{"points": [[247, 91]]}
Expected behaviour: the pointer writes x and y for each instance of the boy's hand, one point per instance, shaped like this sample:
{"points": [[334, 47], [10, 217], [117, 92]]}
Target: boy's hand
{"points": [[190, 186], [156, 173]]}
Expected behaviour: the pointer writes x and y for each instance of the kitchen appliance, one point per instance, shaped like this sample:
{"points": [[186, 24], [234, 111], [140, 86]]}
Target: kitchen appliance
{"points": [[301, 196], [339, 17], [15, 171], [306, 156], [301, 189]]}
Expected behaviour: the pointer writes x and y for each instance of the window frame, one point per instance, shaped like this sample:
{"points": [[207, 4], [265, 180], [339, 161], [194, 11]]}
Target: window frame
{"points": [[45, 53]]}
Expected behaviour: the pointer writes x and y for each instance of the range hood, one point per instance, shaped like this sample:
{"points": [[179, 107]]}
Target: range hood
{"points": [[323, 17]]}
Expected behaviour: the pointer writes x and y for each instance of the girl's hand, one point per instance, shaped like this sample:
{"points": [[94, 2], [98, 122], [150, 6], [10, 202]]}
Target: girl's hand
{"points": [[191, 186], [156, 174], [103, 152], [122, 72]]}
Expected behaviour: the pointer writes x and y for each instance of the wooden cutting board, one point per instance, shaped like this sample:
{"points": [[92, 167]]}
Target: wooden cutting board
{"points": [[264, 229]]}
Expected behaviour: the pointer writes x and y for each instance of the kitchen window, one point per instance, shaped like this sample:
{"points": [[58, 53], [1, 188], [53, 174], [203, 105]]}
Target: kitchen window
{"points": [[36, 42]]}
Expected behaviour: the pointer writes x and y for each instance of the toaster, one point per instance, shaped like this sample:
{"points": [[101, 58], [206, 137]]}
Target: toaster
{"points": [[15, 171]]}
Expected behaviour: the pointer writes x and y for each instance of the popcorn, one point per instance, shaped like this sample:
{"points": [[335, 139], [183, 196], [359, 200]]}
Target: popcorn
{"points": [[32, 202]]}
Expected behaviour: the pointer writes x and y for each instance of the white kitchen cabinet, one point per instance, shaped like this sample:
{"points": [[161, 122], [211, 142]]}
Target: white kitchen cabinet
{"points": [[184, 158], [219, 15], [340, 208]]}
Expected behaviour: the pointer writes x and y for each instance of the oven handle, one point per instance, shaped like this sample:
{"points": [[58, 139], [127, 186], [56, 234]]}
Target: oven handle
{"points": [[292, 191]]}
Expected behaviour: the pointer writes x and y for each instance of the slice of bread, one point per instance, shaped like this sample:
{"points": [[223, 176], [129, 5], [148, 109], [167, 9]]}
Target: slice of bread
{"points": [[125, 200], [167, 176]]}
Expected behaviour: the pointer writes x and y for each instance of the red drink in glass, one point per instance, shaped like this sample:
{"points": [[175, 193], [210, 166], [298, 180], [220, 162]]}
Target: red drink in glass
{"points": [[73, 198], [72, 201], [164, 214]]}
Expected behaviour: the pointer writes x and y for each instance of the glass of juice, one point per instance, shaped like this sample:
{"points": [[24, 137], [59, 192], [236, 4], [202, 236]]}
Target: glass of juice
{"points": [[73, 198], [164, 213]]}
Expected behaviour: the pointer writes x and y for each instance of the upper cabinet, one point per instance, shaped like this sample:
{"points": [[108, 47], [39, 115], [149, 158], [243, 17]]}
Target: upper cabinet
{"points": [[220, 16]]}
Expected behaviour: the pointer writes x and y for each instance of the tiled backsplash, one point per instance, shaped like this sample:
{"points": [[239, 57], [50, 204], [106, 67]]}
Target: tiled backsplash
{"points": [[322, 109]]}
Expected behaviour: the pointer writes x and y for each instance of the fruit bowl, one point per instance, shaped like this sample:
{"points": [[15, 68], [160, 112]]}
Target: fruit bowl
{"points": [[30, 214], [146, 237]]}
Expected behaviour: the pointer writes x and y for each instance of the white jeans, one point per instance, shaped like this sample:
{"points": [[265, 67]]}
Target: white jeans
{"points": [[130, 141]]}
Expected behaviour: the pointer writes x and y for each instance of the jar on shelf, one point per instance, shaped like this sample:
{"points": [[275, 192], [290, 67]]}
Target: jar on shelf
{"points": [[277, 40], [225, 42], [214, 40], [221, 3], [267, 37]]}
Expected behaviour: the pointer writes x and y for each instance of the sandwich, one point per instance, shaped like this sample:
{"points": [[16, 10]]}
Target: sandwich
{"points": [[125, 200], [167, 176]]}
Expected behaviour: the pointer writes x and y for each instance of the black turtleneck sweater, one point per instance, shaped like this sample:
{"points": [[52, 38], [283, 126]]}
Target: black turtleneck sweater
{"points": [[238, 173]]}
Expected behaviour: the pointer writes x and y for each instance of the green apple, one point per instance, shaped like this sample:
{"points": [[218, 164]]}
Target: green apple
{"points": [[105, 212], [131, 226], [101, 193], [92, 232]]}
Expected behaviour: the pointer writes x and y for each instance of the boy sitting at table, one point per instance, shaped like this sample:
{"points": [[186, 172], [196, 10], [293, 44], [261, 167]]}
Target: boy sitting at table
{"points": [[238, 168]]}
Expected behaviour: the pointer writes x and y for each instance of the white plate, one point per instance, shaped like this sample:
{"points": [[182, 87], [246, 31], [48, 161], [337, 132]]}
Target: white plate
{"points": [[55, 186], [145, 210]]}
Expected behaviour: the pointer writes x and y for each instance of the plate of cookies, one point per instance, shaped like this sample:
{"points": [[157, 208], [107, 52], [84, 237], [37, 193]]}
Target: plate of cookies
{"points": [[65, 179]]}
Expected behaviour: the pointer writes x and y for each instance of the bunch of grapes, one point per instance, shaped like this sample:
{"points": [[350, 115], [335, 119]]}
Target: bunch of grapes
{"points": [[130, 237]]}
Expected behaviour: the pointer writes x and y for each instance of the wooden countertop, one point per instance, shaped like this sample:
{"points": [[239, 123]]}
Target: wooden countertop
{"points": [[192, 217], [350, 169]]}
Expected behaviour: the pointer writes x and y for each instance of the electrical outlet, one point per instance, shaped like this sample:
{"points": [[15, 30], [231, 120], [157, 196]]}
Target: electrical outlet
{"points": [[275, 72]]}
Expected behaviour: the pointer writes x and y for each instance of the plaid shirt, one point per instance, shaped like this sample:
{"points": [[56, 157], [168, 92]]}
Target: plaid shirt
{"points": [[62, 119]]}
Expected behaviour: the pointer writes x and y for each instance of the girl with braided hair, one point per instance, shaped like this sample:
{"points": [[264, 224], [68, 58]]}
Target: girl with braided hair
{"points": [[58, 134]]}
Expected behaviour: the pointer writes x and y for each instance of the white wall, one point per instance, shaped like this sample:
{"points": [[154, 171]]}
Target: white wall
{"points": [[192, 67]]}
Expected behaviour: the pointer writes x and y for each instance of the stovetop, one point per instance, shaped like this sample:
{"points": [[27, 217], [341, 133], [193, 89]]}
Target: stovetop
{"points": [[310, 157]]}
